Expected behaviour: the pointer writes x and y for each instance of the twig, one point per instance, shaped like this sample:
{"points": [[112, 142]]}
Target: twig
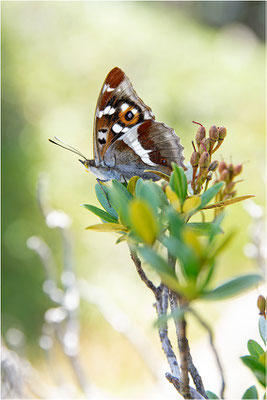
{"points": [[182, 340], [177, 384], [161, 307], [141, 273], [210, 333]]}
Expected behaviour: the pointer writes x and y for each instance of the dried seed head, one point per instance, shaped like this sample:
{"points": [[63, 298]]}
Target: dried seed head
{"points": [[214, 165], [261, 303], [194, 159], [238, 169], [214, 133], [222, 132], [201, 134], [222, 166], [224, 176]]}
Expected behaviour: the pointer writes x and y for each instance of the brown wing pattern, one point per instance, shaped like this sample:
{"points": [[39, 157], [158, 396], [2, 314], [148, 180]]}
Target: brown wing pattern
{"points": [[118, 109]]}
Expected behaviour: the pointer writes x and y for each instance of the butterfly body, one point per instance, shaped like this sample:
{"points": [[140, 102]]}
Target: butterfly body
{"points": [[127, 139]]}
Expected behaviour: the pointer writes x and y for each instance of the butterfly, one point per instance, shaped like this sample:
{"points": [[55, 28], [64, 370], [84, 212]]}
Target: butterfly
{"points": [[128, 140]]}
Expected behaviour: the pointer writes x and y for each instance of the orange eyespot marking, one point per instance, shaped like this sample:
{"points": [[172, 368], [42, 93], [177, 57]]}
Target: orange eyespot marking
{"points": [[129, 116]]}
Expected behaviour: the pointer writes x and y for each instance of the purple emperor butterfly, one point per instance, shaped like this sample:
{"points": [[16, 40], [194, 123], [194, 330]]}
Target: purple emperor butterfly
{"points": [[127, 139]]}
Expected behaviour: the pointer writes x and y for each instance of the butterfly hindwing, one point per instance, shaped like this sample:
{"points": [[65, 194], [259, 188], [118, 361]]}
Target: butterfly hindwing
{"points": [[148, 145]]}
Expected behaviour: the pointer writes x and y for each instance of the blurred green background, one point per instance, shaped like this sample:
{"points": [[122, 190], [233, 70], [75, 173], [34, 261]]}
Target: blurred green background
{"points": [[200, 61]]}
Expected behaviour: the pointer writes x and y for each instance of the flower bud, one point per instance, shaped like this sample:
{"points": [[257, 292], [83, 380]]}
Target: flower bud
{"points": [[214, 165], [238, 169], [214, 133], [224, 176], [200, 135], [204, 160], [261, 303], [204, 146], [194, 159], [222, 132], [222, 166], [229, 187]]}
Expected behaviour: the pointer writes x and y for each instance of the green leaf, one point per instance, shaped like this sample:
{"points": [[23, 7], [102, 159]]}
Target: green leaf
{"points": [[255, 349], [164, 270], [100, 213], [251, 393], [207, 196], [188, 260], [175, 223], [102, 194], [143, 221], [211, 395], [205, 228], [108, 227], [262, 328], [178, 182], [233, 287], [120, 198], [256, 367]]}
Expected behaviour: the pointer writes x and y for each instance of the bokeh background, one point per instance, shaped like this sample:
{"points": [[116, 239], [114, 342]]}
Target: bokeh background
{"points": [[200, 61]]}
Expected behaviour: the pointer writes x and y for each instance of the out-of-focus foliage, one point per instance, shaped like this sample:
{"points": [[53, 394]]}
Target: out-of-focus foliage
{"points": [[55, 57]]}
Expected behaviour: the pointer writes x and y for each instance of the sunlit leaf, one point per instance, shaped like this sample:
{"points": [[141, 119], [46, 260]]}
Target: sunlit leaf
{"points": [[132, 184], [251, 393], [100, 213], [233, 287], [191, 203], [255, 349], [225, 203], [122, 238], [173, 198], [143, 221], [108, 227]]}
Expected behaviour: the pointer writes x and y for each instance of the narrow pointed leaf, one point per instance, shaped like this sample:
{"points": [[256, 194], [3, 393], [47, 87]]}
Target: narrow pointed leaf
{"points": [[205, 228], [100, 213], [228, 202], [108, 227], [160, 174], [233, 287], [191, 204], [131, 184]]}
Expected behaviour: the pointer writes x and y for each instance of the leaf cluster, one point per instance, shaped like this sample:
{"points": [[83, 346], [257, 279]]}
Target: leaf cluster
{"points": [[152, 218]]}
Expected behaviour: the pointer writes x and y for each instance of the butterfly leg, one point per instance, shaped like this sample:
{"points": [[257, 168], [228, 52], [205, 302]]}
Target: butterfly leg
{"points": [[100, 181]]}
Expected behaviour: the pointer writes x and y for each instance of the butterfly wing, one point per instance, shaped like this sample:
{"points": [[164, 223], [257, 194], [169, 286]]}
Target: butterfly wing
{"points": [[118, 110], [148, 145]]}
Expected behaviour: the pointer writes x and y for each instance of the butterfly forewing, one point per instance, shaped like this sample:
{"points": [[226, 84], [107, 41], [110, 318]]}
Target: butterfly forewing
{"points": [[119, 109]]}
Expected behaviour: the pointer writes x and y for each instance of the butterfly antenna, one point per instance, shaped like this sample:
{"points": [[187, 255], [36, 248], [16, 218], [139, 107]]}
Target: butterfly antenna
{"points": [[67, 147]]}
